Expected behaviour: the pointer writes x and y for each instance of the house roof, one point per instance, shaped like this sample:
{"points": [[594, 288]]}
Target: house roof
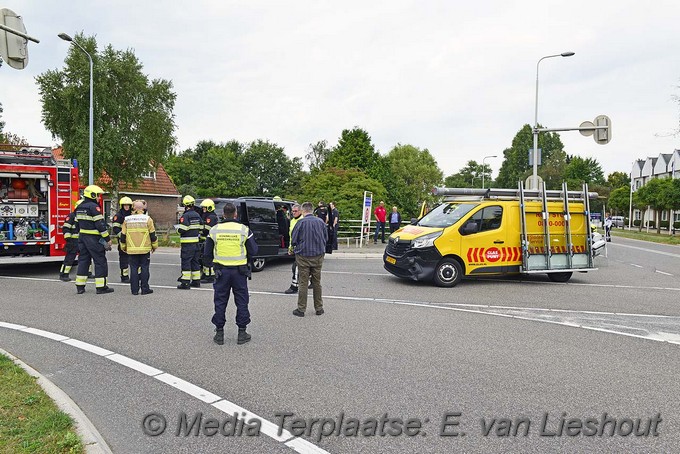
{"points": [[666, 157], [160, 185]]}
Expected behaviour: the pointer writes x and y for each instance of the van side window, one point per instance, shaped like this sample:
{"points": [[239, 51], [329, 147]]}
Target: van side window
{"points": [[261, 211], [488, 218]]}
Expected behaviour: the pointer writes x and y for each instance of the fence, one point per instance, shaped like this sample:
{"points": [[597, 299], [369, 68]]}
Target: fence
{"points": [[349, 231]]}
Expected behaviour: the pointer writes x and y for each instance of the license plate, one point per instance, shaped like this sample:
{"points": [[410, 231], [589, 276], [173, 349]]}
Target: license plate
{"points": [[391, 260]]}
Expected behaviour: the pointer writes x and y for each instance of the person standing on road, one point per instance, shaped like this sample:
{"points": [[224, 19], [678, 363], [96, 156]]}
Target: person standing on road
{"points": [[228, 248], [608, 227], [190, 226], [332, 228], [138, 239], [309, 239], [297, 215], [116, 226], [380, 215], [93, 241], [70, 231], [395, 220], [210, 220]]}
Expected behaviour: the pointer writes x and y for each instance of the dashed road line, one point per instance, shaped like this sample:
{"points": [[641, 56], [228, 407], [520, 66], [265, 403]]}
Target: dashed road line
{"points": [[663, 272], [267, 427]]}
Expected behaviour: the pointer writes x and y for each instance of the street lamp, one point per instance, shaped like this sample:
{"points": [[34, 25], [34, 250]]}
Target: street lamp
{"points": [[535, 175], [90, 171], [483, 170]]}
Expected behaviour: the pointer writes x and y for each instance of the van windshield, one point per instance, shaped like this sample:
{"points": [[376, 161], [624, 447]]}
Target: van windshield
{"points": [[446, 214]]}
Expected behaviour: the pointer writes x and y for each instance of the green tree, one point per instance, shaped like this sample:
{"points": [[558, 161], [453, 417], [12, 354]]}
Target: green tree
{"points": [[657, 194], [515, 165], [316, 155], [270, 167], [133, 115], [469, 176], [343, 186], [619, 201], [618, 180], [583, 170], [411, 175], [355, 150]]}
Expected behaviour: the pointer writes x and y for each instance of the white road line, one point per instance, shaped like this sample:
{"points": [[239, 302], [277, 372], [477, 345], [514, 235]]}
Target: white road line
{"points": [[669, 254], [189, 388], [636, 266], [664, 273], [134, 365], [267, 427]]}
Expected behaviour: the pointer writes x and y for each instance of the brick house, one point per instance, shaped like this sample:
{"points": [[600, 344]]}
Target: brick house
{"points": [[156, 188]]}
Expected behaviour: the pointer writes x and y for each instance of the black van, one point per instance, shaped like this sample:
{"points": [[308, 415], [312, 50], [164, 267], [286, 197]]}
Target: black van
{"points": [[265, 218]]}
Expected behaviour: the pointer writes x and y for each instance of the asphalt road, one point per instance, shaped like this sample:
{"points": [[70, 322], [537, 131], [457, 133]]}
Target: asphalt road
{"points": [[517, 350]]}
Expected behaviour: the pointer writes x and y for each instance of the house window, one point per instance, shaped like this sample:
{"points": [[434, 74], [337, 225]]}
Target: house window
{"points": [[677, 217], [636, 215], [664, 215], [149, 175]]}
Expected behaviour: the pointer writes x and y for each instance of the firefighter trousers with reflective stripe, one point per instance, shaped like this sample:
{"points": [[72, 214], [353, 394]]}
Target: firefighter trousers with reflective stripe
{"points": [[190, 254], [226, 281], [71, 254], [139, 272], [123, 261], [92, 250]]}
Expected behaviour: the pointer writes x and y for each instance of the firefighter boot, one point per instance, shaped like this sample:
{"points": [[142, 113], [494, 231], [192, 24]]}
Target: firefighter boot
{"points": [[64, 277], [243, 337], [184, 285], [195, 284], [124, 278], [80, 289], [103, 290], [219, 336]]}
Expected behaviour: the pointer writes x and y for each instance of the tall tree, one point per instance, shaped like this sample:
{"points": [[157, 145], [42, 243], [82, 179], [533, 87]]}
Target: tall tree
{"points": [[343, 186], [619, 201], [411, 175], [133, 120], [316, 155], [270, 167], [583, 170], [515, 165], [618, 180], [656, 194], [469, 176], [355, 150]]}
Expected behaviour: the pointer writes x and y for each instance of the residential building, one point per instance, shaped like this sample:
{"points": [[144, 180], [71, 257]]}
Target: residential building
{"points": [[665, 165]]}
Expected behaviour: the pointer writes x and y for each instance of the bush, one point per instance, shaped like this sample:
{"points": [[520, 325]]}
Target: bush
{"points": [[664, 224], [676, 225], [636, 222], [650, 224]]}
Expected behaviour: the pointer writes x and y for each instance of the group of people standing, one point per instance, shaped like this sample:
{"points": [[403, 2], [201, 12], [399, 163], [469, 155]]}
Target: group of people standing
{"points": [[382, 218]]}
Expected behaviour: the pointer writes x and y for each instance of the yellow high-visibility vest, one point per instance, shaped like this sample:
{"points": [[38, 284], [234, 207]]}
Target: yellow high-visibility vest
{"points": [[230, 243]]}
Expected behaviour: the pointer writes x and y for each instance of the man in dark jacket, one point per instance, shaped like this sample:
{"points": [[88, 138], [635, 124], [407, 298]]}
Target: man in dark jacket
{"points": [[309, 238], [395, 220]]}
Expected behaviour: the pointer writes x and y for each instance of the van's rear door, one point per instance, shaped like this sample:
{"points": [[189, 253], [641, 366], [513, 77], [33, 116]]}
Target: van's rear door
{"points": [[262, 222]]}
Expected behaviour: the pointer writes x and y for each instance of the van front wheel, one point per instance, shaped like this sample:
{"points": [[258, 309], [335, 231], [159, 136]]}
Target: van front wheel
{"points": [[258, 264], [448, 273]]}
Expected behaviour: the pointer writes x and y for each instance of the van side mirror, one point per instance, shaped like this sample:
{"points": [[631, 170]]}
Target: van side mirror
{"points": [[470, 227], [414, 221]]}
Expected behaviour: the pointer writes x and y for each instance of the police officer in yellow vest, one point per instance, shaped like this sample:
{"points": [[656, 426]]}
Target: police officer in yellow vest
{"points": [[138, 239], [228, 247]]}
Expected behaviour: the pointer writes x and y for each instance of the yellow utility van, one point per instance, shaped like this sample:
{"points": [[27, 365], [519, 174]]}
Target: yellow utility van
{"points": [[481, 232]]}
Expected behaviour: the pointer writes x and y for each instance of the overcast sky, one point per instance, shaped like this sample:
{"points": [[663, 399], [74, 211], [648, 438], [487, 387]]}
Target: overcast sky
{"points": [[457, 78]]}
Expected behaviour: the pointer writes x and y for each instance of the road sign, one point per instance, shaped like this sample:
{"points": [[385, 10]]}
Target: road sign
{"points": [[13, 47], [603, 135]]}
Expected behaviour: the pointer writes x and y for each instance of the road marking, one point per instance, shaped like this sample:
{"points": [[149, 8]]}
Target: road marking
{"points": [[664, 273], [669, 254], [267, 427], [636, 266]]}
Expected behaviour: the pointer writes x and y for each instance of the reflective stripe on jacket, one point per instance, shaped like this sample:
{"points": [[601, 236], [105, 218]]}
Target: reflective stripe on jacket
{"points": [[138, 234], [230, 243]]}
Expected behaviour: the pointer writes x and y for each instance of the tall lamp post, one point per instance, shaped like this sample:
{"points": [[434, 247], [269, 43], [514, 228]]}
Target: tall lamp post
{"points": [[483, 172], [90, 170], [535, 174]]}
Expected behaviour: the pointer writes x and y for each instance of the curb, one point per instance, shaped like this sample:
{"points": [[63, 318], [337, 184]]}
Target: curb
{"points": [[92, 440]]}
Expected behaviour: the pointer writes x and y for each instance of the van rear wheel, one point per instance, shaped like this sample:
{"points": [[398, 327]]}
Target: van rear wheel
{"points": [[448, 273], [258, 264], [559, 277]]}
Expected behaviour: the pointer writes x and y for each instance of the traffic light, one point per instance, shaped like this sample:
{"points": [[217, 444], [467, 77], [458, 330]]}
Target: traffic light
{"points": [[13, 48], [603, 136]]}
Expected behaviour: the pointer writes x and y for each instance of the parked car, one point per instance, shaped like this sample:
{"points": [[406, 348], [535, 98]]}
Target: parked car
{"points": [[260, 215], [618, 221]]}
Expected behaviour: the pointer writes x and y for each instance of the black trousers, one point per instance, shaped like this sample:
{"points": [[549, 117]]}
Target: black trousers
{"points": [[139, 262], [91, 250], [123, 261], [190, 254], [230, 280], [71, 254]]}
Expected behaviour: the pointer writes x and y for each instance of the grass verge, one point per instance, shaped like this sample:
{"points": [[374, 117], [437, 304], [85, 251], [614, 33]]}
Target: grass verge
{"points": [[29, 421], [663, 238]]}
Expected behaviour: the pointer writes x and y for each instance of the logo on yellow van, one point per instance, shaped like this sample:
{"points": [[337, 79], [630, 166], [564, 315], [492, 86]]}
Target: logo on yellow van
{"points": [[493, 254]]}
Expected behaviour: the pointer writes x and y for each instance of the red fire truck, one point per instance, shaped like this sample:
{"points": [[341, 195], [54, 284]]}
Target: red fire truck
{"points": [[37, 192]]}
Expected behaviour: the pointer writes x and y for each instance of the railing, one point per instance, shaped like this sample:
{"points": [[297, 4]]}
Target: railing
{"points": [[349, 230]]}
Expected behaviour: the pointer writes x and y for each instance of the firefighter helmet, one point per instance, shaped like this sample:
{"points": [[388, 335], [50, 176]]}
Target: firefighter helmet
{"points": [[209, 205], [125, 201], [188, 201], [92, 191]]}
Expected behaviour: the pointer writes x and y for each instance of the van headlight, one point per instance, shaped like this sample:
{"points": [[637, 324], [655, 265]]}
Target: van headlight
{"points": [[426, 240]]}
